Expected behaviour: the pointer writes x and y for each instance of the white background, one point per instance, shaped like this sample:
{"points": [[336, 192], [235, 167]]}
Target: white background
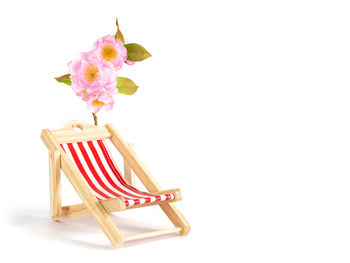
{"points": [[244, 106]]}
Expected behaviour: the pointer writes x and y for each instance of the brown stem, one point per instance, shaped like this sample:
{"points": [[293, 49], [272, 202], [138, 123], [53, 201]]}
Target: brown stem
{"points": [[116, 22], [95, 118]]}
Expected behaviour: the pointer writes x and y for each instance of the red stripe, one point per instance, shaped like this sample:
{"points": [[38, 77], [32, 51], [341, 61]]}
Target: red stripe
{"points": [[137, 201], [116, 172], [83, 172], [105, 173], [94, 172]]}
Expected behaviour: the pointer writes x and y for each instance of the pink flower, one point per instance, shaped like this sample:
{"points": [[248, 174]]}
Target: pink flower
{"points": [[90, 75], [94, 80], [96, 102], [112, 50]]}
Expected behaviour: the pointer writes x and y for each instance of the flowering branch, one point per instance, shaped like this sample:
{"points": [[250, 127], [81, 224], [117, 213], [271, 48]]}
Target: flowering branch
{"points": [[93, 76]]}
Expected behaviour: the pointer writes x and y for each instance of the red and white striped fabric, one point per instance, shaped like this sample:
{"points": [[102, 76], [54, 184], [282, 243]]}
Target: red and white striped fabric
{"points": [[93, 160]]}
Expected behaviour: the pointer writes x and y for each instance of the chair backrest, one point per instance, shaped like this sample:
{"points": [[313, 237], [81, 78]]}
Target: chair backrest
{"points": [[69, 134], [78, 131]]}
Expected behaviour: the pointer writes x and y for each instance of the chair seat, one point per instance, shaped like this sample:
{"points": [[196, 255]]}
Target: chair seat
{"points": [[97, 167]]}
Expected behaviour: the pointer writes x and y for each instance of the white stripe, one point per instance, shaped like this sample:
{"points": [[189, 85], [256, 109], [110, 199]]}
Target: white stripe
{"points": [[70, 156], [88, 172], [101, 175], [153, 198], [142, 200], [111, 173], [111, 157]]}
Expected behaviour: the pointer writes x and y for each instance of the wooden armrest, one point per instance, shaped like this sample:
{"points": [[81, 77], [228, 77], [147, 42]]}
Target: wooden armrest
{"points": [[113, 204], [118, 204], [176, 192]]}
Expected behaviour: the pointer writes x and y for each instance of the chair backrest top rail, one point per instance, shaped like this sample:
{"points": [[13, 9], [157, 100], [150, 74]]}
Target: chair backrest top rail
{"points": [[77, 131]]}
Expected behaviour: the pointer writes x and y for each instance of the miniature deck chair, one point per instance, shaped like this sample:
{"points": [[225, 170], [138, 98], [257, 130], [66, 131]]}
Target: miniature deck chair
{"points": [[86, 161]]}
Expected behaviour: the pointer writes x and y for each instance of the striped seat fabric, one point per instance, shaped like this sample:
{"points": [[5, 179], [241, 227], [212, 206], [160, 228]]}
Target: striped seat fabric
{"points": [[93, 160]]}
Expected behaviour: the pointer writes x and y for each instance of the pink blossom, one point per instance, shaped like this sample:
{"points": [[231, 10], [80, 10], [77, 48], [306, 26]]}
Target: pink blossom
{"points": [[112, 50], [90, 75], [96, 102], [94, 80]]}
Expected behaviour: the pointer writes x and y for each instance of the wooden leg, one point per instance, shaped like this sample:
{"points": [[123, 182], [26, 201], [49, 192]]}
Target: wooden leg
{"points": [[93, 205], [55, 184], [176, 217], [128, 172]]}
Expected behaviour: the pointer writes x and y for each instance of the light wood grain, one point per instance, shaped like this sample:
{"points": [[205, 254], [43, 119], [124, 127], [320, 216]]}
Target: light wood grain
{"points": [[55, 183], [74, 211], [113, 204], [80, 210], [152, 234], [176, 217], [67, 135], [128, 173], [79, 124]]}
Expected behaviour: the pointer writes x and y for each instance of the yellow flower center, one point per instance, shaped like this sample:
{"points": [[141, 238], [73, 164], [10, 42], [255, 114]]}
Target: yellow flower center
{"points": [[96, 102], [109, 53], [83, 92], [91, 73]]}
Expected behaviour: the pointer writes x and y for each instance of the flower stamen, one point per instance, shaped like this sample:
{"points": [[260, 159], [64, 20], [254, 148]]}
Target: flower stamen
{"points": [[109, 53], [91, 73], [98, 103]]}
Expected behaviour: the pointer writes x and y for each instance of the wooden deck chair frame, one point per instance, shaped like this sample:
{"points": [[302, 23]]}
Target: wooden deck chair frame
{"points": [[91, 205]]}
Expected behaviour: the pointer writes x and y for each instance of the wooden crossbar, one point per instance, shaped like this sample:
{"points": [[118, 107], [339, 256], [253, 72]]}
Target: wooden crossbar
{"points": [[70, 135], [153, 233]]}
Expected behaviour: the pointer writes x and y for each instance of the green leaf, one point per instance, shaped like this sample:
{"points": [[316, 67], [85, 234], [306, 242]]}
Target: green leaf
{"points": [[64, 79], [126, 86], [137, 52]]}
